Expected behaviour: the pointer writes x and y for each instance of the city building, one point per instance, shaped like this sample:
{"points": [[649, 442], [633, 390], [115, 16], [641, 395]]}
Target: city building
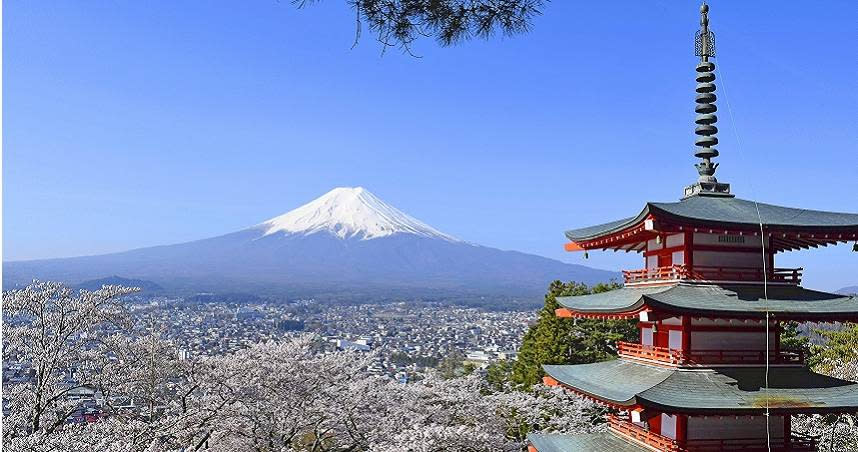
{"points": [[709, 372]]}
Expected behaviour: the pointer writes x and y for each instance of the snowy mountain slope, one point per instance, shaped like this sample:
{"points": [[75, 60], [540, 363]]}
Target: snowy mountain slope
{"points": [[346, 241], [849, 290], [350, 212]]}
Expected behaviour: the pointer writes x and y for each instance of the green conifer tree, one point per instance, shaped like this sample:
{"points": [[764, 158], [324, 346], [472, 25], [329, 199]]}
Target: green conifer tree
{"points": [[840, 345], [554, 340]]}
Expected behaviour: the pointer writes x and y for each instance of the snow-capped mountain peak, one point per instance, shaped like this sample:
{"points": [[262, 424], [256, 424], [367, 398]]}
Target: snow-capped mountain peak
{"points": [[350, 212]]}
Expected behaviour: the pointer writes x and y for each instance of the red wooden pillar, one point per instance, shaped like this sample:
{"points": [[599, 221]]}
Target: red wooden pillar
{"points": [[661, 338], [686, 334], [681, 429], [689, 251], [771, 265], [777, 331], [654, 423]]}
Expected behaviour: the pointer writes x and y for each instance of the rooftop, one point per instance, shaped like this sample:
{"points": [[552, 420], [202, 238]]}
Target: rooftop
{"points": [[796, 227], [739, 301], [727, 390], [603, 441]]}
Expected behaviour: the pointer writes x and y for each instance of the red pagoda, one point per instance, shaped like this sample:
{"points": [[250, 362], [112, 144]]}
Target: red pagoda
{"points": [[709, 372]]}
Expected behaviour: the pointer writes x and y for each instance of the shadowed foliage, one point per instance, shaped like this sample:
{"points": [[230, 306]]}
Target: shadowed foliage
{"points": [[400, 22], [553, 340]]}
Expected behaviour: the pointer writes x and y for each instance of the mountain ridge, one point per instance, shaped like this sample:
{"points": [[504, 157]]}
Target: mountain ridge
{"points": [[849, 290], [372, 248]]}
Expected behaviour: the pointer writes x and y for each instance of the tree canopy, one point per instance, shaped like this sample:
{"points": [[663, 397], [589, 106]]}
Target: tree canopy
{"points": [[840, 345], [553, 340]]}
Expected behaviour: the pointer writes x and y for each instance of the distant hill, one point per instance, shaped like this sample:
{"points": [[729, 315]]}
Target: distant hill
{"points": [[345, 245], [144, 285], [851, 290]]}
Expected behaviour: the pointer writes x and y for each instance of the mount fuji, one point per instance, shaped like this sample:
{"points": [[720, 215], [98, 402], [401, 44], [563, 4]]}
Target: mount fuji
{"points": [[346, 244]]}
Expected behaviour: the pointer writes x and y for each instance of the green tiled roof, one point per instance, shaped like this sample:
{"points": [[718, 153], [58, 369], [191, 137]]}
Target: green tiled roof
{"points": [[624, 299], [729, 389], [599, 229], [610, 379], [719, 390], [728, 211], [592, 442], [793, 302]]}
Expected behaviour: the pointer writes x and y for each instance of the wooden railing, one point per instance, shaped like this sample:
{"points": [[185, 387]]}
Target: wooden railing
{"points": [[796, 443], [713, 273], [743, 357], [746, 274], [632, 350], [655, 274], [642, 435], [664, 354]]}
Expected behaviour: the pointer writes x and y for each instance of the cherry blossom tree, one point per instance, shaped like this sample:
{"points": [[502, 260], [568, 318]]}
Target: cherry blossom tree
{"points": [[86, 339], [835, 432], [58, 332], [286, 395]]}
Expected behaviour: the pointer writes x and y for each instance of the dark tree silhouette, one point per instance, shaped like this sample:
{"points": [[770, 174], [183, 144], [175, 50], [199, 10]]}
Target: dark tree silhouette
{"points": [[398, 23]]}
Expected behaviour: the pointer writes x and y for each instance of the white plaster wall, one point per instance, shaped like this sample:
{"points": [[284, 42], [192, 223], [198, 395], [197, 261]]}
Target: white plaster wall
{"points": [[675, 240], [651, 244], [651, 262], [668, 425], [752, 259], [730, 340], [678, 257], [646, 336], [674, 340], [749, 427]]}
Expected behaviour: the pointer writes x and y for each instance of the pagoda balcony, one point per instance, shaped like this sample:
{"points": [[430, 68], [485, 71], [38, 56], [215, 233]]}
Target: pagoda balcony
{"points": [[640, 434], [649, 352], [725, 357], [796, 443], [701, 273]]}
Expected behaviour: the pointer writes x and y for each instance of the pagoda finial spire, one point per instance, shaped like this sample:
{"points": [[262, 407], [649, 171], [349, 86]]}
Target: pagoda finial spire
{"points": [[704, 47]]}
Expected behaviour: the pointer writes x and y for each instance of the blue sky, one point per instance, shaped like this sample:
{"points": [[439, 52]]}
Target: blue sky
{"points": [[129, 124]]}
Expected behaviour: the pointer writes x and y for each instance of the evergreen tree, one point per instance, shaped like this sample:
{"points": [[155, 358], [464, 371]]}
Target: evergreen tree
{"points": [[793, 341], [840, 345], [498, 375], [400, 23], [553, 340]]}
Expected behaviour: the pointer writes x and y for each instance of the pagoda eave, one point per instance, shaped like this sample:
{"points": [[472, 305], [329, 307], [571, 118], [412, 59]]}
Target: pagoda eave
{"points": [[568, 313], [601, 441], [716, 215], [725, 391], [713, 301], [619, 405]]}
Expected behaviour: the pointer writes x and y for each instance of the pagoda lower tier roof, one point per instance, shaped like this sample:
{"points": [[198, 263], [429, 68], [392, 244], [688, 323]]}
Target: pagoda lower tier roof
{"points": [[728, 301], [701, 211], [724, 390], [602, 441]]}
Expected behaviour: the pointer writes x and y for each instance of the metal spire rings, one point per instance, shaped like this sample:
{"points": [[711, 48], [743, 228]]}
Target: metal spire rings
{"points": [[706, 131]]}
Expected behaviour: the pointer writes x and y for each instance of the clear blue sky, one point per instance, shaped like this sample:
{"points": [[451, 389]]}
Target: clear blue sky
{"points": [[129, 124]]}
